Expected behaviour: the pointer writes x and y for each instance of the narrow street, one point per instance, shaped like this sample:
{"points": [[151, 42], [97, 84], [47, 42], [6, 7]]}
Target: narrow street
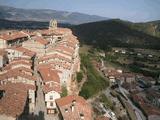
{"points": [[40, 104], [40, 112]]}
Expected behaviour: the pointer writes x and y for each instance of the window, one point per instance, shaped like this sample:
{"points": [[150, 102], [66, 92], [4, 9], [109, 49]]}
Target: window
{"points": [[30, 100], [51, 103], [51, 97]]}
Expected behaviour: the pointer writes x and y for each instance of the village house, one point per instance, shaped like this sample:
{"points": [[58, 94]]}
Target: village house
{"points": [[19, 63], [145, 81], [3, 58], [116, 51], [65, 31], [52, 52], [110, 114], [112, 74], [37, 44], [154, 97], [152, 112], [74, 108], [13, 76], [123, 51], [16, 52], [21, 69], [126, 78], [131, 87], [51, 88], [16, 100], [64, 71], [63, 50], [55, 57], [51, 36], [67, 71], [12, 39]]}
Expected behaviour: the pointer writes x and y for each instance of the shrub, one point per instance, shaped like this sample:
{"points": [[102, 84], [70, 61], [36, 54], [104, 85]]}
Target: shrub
{"points": [[79, 76], [64, 91]]}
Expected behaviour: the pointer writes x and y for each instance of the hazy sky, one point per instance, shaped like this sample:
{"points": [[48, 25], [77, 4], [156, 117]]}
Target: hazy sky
{"points": [[133, 10]]}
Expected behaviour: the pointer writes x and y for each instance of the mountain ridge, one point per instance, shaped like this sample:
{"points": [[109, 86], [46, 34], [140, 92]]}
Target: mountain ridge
{"points": [[44, 15], [116, 33]]}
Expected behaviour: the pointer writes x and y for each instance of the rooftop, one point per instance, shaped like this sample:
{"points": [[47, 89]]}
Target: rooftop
{"points": [[74, 108], [14, 100], [40, 39], [49, 74], [13, 35], [23, 50]]}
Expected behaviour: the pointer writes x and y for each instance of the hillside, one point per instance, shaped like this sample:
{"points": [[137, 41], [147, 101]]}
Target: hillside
{"points": [[115, 33], [152, 28], [7, 24], [44, 15]]}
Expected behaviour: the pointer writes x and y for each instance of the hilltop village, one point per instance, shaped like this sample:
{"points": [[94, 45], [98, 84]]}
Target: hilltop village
{"points": [[37, 68]]}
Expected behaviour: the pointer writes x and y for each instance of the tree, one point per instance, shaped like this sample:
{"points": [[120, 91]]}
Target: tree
{"points": [[64, 91], [79, 76]]}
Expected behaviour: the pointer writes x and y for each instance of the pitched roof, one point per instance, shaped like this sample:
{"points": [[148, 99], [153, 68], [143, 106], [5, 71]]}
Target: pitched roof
{"points": [[55, 64], [74, 107], [29, 33], [54, 56], [64, 49], [49, 74], [48, 32], [24, 50], [14, 100], [52, 87], [13, 36], [19, 69], [40, 39], [15, 73], [19, 62], [62, 31]]}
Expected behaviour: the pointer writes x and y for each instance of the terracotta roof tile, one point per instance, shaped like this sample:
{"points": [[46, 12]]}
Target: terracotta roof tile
{"points": [[74, 107], [13, 73], [24, 51], [14, 101], [54, 87], [40, 39], [13, 36], [48, 74], [54, 56]]}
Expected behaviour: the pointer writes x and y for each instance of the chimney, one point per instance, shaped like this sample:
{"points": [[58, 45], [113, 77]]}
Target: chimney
{"points": [[82, 116], [74, 102], [9, 33], [50, 85], [66, 110], [72, 107]]}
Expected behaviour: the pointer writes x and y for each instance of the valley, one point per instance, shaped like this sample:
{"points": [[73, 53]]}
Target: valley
{"points": [[123, 83], [77, 66]]}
